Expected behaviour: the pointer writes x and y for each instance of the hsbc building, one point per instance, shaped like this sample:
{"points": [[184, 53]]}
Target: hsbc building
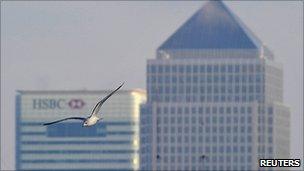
{"points": [[112, 144]]}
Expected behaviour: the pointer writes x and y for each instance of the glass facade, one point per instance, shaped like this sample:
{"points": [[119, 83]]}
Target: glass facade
{"points": [[213, 106], [111, 144]]}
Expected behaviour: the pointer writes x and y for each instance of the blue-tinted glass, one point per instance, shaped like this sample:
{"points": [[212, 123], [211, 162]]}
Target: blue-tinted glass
{"points": [[207, 110], [193, 110], [153, 79], [202, 79], [181, 69], [237, 68], [223, 89], [216, 99], [244, 68], [188, 68], [216, 68], [167, 68], [230, 79], [229, 89], [216, 79], [195, 69], [188, 78], [243, 89], [236, 89], [160, 69], [195, 79], [214, 119], [174, 68], [200, 110], [209, 79], [207, 120], [251, 68], [228, 129], [214, 110], [228, 149], [235, 149], [223, 68], [209, 68], [221, 110], [207, 131], [228, 110], [223, 79], [202, 69], [235, 110], [230, 68], [153, 68], [250, 77], [209, 89], [167, 79], [249, 129], [244, 78]]}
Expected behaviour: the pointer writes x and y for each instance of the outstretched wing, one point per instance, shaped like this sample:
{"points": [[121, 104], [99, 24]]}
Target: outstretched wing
{"points": [[78, 118], [99, 104]]}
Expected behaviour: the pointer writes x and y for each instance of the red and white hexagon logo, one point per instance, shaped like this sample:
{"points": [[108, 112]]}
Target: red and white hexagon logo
{"points": [[76, 103]]}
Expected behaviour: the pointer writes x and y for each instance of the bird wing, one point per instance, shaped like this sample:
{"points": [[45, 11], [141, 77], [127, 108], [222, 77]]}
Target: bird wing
{"points": [[99, 104], [79, 118]]}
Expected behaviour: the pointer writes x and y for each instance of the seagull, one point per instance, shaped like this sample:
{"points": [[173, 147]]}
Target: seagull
{"points": [[93, 118]]}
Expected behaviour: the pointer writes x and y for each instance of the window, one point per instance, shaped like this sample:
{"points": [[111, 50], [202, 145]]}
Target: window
{"points": [[230, 68], [216, 68], [153, 69], [200, 110], [174, 68], [207, 110], [167, 68], [237, 68], [181, 69], [223, 68], [160, 68], [188, 69], [228, 110], [195, 68], [244, 68], [195, 79], [202, 69], [209, 69]]}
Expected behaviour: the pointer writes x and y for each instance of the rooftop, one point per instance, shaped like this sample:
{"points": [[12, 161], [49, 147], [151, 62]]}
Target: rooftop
{"points": [[213, 26]]}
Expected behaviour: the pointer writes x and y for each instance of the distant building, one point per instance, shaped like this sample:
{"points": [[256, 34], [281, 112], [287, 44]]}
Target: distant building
{"points": [[215, 98], [112, 144]]}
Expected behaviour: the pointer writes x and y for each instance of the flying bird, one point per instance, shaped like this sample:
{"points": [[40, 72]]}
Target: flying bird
{"points": [[93, 118]]}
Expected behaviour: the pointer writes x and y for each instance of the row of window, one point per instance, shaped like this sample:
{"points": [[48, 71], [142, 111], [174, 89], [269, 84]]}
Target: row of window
{"points": [[204, 68], [194, 79], [202, 110], [241, 138], [206, 129], [207, 160], [215, 89], [216, 166], [206, 120], [216, 98]]}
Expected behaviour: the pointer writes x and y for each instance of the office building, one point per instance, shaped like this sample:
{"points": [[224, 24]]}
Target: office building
{"points": [[214, 98], [111, 144]]}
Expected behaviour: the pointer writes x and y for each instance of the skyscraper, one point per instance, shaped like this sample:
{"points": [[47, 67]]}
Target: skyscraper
{"points": [[111, 144], [215, 98]]}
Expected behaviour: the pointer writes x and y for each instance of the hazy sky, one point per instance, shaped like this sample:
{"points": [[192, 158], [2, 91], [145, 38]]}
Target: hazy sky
{"points": [[97, 45]]}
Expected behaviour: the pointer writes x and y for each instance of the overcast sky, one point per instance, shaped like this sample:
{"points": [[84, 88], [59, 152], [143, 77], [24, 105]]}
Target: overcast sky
{"points": [[97, 45]]}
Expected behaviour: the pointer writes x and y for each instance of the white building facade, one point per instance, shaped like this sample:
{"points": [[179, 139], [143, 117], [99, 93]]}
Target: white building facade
{"points": [[111, 144]]}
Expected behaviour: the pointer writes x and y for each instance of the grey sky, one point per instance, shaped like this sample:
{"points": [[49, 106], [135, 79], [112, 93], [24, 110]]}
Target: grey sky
{"points": [[97, 45]]}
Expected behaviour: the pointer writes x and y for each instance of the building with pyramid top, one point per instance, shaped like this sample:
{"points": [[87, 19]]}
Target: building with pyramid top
{"points": [[215, 98]]}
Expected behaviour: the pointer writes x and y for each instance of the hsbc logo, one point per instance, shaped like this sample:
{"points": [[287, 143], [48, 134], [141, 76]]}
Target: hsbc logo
{"points": [[76, 103], [45, 104]]}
